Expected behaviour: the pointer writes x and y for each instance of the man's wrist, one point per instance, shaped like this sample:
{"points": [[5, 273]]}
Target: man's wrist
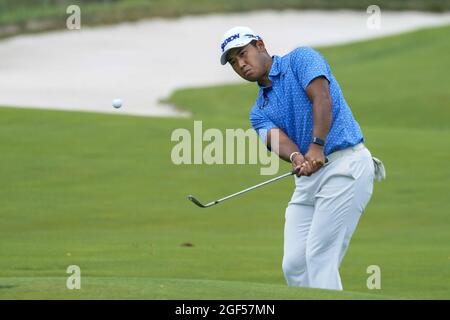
{"points": [[293, 155], [318, 141], [315, 145]]}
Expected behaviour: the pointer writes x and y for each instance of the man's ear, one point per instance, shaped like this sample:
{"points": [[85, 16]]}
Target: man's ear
{"points": [[260, 45]]}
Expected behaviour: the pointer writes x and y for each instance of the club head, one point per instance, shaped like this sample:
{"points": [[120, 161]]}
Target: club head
{"points": [[192, 198]]}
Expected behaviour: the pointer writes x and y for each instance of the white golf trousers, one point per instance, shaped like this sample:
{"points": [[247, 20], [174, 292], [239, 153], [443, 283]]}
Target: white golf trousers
{"points": [[322, 216]]}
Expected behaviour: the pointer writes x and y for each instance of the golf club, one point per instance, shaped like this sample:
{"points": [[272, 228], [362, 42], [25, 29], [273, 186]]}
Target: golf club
{"points": [[290, 173], [198, 203]]}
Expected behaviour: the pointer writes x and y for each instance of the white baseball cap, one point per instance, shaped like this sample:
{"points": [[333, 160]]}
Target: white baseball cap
{"points": [[235, 38]]}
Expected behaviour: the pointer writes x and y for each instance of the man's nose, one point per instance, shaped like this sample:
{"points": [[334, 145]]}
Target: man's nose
{"points": [[241, 64]]}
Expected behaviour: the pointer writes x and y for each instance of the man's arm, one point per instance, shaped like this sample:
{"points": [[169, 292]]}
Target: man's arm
{"points": [[284, 150], [319, 93], [285, 145]]}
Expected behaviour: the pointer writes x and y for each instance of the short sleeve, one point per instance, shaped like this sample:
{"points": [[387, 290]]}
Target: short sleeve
{"points": [[261, 123], [310, 64]]}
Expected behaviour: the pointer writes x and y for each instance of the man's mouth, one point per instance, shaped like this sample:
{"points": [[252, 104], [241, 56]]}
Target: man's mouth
{"points": [[247, 72]]}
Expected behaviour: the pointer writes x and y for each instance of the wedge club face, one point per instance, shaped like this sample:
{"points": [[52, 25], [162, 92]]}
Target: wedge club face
{"points": [[191, 198], [198, 203]]}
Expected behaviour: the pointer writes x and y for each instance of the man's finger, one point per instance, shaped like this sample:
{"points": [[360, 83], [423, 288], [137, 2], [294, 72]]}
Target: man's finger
{"points": [[302, 169], [305, 169], [316, 164]]}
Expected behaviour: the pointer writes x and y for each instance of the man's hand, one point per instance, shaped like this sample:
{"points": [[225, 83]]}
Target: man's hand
{"points": [[315, 158], [301, 166]]}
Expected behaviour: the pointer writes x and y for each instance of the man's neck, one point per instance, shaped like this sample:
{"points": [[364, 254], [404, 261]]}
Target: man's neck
{"points": [[265, 81]]}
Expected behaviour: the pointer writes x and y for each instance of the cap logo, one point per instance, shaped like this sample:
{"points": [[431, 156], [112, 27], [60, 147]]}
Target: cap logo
{"points": [[228, 40]]}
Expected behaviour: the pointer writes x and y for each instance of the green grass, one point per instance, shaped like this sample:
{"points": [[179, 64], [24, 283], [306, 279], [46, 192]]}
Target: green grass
{"points": [[100, 191], [160, 288], [24, 16]]}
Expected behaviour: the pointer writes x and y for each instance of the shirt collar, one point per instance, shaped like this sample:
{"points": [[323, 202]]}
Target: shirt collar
{"points": [[275, 70], [276, 66]]}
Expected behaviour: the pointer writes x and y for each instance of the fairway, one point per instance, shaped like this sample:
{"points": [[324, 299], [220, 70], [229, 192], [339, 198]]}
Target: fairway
{"points": [[100, 191]]}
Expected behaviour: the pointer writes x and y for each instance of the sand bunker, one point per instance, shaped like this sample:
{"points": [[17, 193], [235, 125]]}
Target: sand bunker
{"points": [[144, 62]]}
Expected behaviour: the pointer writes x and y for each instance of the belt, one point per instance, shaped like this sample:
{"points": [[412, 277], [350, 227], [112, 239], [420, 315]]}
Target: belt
{"points": [[344, 152]]}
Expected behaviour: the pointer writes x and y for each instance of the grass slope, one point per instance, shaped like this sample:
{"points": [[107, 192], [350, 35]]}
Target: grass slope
{"points": [[100, 191]]}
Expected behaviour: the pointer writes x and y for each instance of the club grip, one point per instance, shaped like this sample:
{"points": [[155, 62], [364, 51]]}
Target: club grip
{"points": [[295, 171]]}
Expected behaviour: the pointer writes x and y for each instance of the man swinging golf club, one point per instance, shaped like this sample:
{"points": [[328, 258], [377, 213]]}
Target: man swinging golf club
{"points": [[300, 100]]}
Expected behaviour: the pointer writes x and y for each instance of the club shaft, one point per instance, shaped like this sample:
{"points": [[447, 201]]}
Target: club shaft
{"points": [[252, 188]]}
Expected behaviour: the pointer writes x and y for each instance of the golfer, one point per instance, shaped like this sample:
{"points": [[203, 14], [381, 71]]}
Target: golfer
{"points": [[300, 101]]}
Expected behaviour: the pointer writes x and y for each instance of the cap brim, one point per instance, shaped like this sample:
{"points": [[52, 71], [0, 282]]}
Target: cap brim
{"points": [[223, 57]]}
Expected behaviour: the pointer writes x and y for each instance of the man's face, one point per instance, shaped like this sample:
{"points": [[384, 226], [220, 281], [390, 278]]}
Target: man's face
{"points": [[248, 61]]}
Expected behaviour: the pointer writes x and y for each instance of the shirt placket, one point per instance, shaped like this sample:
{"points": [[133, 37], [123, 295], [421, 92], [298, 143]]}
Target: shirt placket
{"points": [[281, 102]]}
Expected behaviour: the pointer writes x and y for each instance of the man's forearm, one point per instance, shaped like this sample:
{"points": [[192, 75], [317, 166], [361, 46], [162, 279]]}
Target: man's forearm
{"points": [[321, 118], [319, 93], [285, 145]]}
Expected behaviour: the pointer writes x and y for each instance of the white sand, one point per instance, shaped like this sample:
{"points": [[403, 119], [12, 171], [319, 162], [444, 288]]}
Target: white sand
{"points": [[145, 61]]}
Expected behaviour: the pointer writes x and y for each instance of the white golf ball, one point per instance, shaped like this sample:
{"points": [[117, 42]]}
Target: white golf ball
{"points": [[117, 103]]}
